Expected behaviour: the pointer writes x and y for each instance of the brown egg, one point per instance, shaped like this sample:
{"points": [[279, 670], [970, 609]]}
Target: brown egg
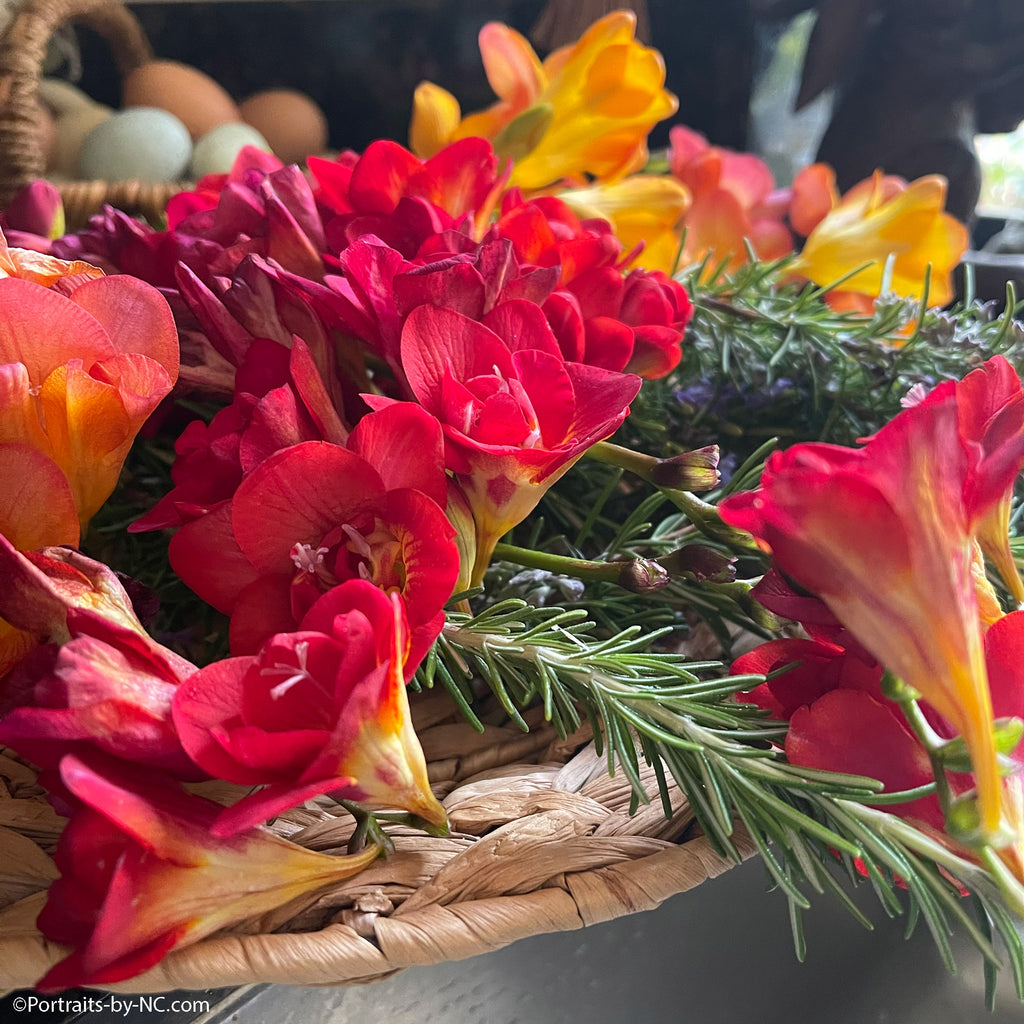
{"points": [[290, 121], [194, 98]]}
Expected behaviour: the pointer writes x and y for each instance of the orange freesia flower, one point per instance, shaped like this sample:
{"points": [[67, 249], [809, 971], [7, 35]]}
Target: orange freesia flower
{"points": [[643, 210], [734, 202], [882, 221], [587, 109], [40, 268], [82, 366]]}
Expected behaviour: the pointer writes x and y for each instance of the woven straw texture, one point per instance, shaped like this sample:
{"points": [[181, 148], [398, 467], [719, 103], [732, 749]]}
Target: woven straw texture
{"points": [[22, 51], [542, 840]]}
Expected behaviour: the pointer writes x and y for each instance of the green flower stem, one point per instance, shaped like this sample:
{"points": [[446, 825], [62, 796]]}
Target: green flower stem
{"points": [[624, 458], [368, 829], [578, 568], [702, 514], [705, 517], [932, 743], [640, 575]]}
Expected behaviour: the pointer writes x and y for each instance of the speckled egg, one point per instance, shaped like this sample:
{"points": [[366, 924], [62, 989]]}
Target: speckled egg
{"points": [[143, 143], [192, 96], [290, 121], [215, 152]]}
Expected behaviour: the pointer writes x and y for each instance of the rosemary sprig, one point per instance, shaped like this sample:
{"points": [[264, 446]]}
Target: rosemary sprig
{"points": [[683, 717]]}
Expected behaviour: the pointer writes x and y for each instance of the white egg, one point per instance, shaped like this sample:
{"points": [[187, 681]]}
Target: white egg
{"points": [[62, 97], [215, 152], [143, 142]]}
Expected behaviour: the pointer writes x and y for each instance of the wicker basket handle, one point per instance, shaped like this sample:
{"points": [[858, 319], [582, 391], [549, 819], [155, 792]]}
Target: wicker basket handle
{"points": [[22, 51]]}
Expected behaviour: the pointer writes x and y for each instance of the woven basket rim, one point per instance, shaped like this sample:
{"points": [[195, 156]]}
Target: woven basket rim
{"points": [[542, 842]]}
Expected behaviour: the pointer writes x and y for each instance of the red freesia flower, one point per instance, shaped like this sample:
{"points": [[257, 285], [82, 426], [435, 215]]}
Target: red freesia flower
{"points": [[990, 407], [316, 514], [883, 535], [852, 731], [461, 179], [633, 323], [602, 318], [838, 719], [109, 687], [141, 874], [280, 401], [320, 710], [515, 414], [817, 668], [40, 589]]}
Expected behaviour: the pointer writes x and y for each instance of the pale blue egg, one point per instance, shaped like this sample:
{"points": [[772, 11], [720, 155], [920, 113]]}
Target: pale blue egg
{"points": [[141, 142], [215, 152]]}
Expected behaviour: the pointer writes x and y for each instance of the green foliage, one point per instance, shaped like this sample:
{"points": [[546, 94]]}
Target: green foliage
{"points": [[765, 364]]}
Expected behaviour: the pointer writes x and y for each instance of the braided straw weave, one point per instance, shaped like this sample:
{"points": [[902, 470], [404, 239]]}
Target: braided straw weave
{"points": [[542, 841], [22, 50]]}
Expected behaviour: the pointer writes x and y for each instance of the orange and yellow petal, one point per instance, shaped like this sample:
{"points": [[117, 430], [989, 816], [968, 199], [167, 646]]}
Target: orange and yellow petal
{"points": [[435, 119], [643, 210], [908, 230]]}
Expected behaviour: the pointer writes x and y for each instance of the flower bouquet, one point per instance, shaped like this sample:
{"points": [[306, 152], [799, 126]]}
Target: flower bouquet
{"points": [[439, 546]]}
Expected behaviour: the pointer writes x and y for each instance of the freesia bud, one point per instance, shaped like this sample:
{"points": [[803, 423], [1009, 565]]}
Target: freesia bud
{"points": [[36, 210], [642, 575], [688, 471], [700, 563]]}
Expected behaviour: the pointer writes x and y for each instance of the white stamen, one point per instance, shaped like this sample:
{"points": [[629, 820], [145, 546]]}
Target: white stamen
{"points": [[295, 674], [306, 558]]}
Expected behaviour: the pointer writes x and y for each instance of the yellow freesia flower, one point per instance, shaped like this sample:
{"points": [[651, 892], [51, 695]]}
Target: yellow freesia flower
{"points": [[882, 220], [587, 109], [643, 210]]}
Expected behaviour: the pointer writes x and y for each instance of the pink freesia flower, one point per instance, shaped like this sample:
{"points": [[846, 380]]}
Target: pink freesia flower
{"points": [[250, 165], [280, 401], [141, 874], [320, 710], [316, 514], [733, 202]]}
